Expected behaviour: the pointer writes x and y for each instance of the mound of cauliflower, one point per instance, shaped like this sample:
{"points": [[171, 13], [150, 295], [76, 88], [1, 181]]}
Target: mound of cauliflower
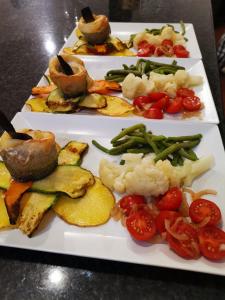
{"points": [[134, 86], [167, 33], [141, 175]]}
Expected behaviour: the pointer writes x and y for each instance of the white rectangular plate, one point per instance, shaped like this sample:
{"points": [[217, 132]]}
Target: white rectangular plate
{"points": [[124, 30], [111, 241], [97, 68]]}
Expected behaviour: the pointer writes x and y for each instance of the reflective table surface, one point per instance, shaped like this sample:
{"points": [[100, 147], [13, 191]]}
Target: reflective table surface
{"points": [[31, 31]]}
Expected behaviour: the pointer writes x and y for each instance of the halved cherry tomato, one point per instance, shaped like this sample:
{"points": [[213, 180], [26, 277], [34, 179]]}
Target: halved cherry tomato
{"points": [[141, 225], [161, 103], [185, 92], [212, 242], [145, 49], [129, 202], [167, 42], [191, 103], [201, 209], [180, 51], [175, 106], [153, 113], [159, 51], [171, 200], [141, 101], [155, 96], [187, 248], [165, 215]]}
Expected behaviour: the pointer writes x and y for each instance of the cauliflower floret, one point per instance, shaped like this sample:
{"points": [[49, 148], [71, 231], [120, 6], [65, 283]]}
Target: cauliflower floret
{"points": [[134, 86], [170, 88], [181, 78], [108, 172], [145, 36], [161, 80], [194, 80]]}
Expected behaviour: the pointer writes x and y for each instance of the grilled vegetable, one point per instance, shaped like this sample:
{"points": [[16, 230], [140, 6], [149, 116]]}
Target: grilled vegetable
{"points": [[38, 105], [90, 210], [72, 153], [71, 180], [12, 198], [115, 107], [5, 176], [34, 207], [56, 102], [31, 159], [93, 101], [4, 218]]}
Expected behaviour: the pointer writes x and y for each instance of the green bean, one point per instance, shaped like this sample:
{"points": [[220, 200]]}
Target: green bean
{"points": [[122, 148], [187, 155], [156, 138], [184, 138], [174, 161], [125, 67], [137, 134], [111, 77], [122, 162], [123, 72], [128, 130], [190, 151], [117, 79], [173, 148], [180, 161], [100, 147], [151, 143], [183, 29], [120, 142], [165, 70], [143, 150]]}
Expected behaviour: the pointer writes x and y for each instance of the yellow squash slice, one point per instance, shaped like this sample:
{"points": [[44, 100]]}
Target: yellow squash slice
{"points": [[90, 210], [72, 153], [38, 105], [4, 218], [5, 177], [115, 107]]}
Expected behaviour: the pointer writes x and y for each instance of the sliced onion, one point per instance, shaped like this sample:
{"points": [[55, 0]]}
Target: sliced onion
{"points": [[177, 236], [199, 194]]}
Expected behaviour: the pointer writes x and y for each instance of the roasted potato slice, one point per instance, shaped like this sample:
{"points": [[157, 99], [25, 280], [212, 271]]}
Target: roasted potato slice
{"points": [[115, 107], [93, 101], [38, 105], [71, 180], [90, 210], [5, 177]]}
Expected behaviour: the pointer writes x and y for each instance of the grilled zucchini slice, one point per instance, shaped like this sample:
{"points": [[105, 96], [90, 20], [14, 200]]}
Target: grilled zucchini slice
{"points": [[71, 180], [4, 218], [93, 101], [34, 206], [56, 102], [72, 153], [5, 176]]}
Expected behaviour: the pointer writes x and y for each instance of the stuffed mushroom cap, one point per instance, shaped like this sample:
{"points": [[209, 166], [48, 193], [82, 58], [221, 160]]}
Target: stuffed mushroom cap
{"points": [[95, 32], [70, 85], [31, 159]]}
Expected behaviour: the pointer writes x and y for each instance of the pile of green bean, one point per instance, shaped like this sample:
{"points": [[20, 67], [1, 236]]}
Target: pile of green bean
{"points": [[136, 139], [142, 67]]}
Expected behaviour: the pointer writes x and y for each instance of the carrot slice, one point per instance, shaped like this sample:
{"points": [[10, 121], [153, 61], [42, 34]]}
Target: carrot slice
{"points": [[38, 90], [104, 87], [12, 198]]}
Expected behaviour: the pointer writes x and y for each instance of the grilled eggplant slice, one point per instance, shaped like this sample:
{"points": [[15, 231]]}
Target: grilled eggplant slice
{"points": [[71, 180], [34, 207], [72, 153], [93, 101], [90, 210]]}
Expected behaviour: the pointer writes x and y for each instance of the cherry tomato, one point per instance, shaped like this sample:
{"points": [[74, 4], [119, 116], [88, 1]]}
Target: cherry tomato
{"points": [[191, 103], [161, 103], [141, 225], [212, 242], [159, 51], [165, 215], [171, 200], [153, 113], [180, 51], [127, 203], [201, 209], [188, 248], [167, 42], [175, 106], [155, 96], [145, 49], [185, 92], [141, 101]]}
